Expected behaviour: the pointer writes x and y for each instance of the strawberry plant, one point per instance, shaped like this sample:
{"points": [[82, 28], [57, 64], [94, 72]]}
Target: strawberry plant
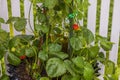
{"points": [[60, 47]]}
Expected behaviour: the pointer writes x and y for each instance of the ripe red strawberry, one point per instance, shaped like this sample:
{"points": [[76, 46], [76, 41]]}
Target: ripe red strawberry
{"points": [[22, 57], [75, 27]]}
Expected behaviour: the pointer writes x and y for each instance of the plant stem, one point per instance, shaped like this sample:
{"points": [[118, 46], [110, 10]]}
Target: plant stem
{"points": [[47, 42], [71, 30], [11, 31], [57, 78], [0, 25]]}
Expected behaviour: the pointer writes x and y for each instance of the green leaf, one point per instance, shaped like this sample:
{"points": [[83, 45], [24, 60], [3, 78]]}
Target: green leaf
{"points": [[66, 77], [19, 52], [4, 77], [70, 67], [68, 1], [2, 20], [88, 35], [106, 45], [41, 17], [14, 42], [37, 27], [117, 73], [94, 50], [54, 47], [61, 55], [30, 52], [57, 30], [102, 60], [109, 77], [20, 24], [101, 55], [25, 39], [88, 72], [51, 3], [55, 67], [77, 43], [38, 1], [77, 77], [12, 59], [101, 38], [69, 77], [2, 52], [3, 35], [12, 19], [84, 51], [42, 28], [78, 61], [110, 68], [44, 78], [43, 55]]}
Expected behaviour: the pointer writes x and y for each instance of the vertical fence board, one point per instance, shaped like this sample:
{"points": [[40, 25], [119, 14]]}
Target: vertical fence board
{"points": [[92, 19], [115, 31], [104, 17], [15, 5], [4, 13], [27, 4]]}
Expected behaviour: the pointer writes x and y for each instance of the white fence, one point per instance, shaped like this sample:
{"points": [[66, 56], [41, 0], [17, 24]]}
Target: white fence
{"points": [[91, 21]]}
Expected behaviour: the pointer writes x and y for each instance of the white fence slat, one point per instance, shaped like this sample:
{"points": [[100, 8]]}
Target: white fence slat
{"points": [[15, 7], [104, 17], [115, 31], [26, 11], [92, 15], [4, 13]]}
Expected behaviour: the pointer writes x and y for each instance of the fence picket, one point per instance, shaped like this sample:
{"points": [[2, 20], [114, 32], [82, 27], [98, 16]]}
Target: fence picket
{"points": [[115, 31], [104, 17], [27, 4], [4, 13], [92, 19], [15, 7]]}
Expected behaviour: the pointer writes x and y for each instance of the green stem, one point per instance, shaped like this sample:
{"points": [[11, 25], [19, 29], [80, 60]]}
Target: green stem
{"points": [[47, 42], [71, 30], [11, 31], [0, 25], [57, 78], [35, 55]]}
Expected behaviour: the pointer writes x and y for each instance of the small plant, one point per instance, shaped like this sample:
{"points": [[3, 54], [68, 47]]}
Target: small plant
{"points": [[60, 48]]}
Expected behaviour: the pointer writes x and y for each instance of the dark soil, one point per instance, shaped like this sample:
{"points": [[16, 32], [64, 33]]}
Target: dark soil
{"points": [[18, 72]]}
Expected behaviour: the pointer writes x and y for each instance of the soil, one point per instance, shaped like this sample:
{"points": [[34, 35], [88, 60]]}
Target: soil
{"points": [[18, 72]]}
